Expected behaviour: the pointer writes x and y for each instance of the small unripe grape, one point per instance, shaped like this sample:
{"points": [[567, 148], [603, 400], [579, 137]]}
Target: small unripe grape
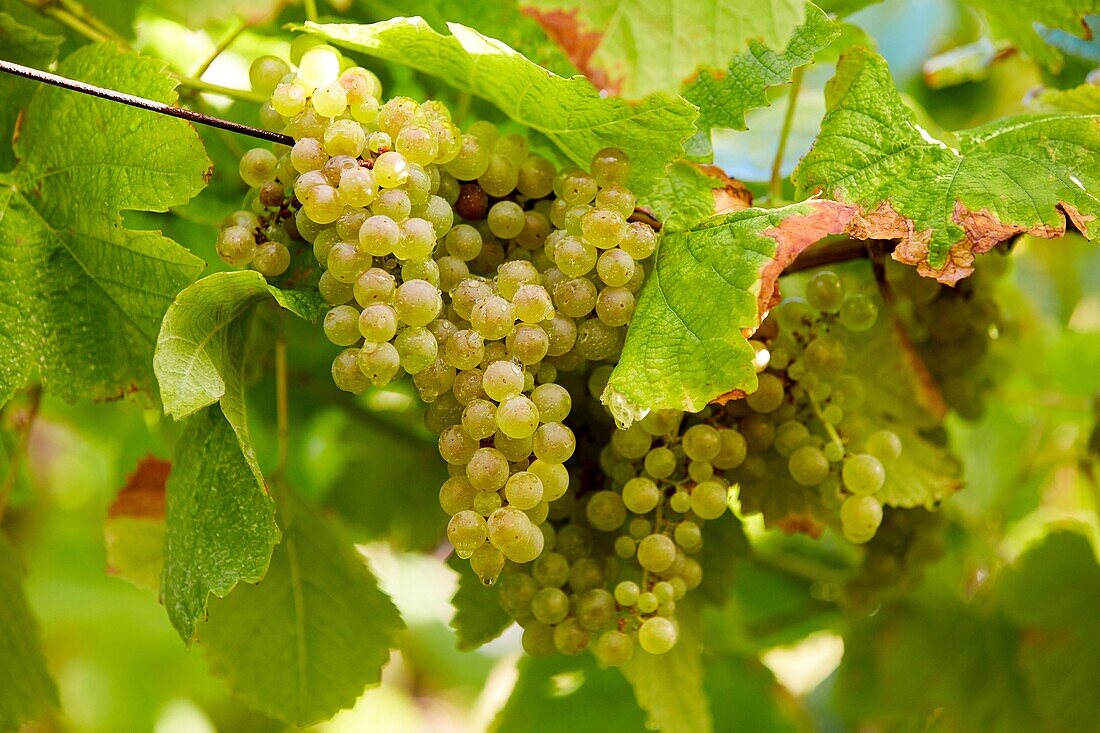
{"points": [[418, 144], [456, 446], [288, 99], [709, 500], [553, 401], [341, 325], [487, 562], [236, 246], [883, 444], [570, 638], [825, 357], [657, 635], [554, 443], [660, 462], [808, 465], [680, 502], [825, 292], [613, 649], [532, 304], [688, 535], [374, 286], [417, 302], [863, 474], [860, 517], [467, 531], [615, 267], [656, 553], [603, 228], [640, 242], [647, 602], [538, 640], [615, 306], [502, 380], [487, 502], [377, 322], [641, 495], [346, 373], [379, 362], [319, 65], [610, 166], [257, 167], [487, 470], [392, 202], [701, 442], [858, 313], [517, 417], [523, 490], [266, 72], [768, 396], [493, 317], [272, 259], [605, 511], [535, 178], [506, 219]]}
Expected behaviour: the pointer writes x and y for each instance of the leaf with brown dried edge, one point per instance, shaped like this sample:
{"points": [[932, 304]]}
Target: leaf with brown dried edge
{"points": [[1027, 173], [134, 529], [626, 47], [682, 351], [691, 193]]}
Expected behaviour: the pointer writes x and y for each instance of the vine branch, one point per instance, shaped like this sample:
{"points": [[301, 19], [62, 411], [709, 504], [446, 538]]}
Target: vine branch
{"points": [[146, 104], [775, 187]]}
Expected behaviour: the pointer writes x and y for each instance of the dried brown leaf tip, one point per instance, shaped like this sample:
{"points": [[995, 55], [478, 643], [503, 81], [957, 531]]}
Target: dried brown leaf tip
{"points": [[578, 42], [731, 195], [143, 494]]}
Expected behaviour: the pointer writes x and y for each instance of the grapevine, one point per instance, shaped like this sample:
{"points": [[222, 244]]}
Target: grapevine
{"points": [[676, 365]]}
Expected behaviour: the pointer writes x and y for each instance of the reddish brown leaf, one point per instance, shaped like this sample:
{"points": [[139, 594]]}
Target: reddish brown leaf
{"points": [[143, 494], [578, 43], [732, 195]]}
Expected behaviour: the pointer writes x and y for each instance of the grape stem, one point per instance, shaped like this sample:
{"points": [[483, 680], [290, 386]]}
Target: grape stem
{"points": [[235, 31], [310, 7], [834, 436], [19, 451], [775, 187], [146, 104], [282, 408]]}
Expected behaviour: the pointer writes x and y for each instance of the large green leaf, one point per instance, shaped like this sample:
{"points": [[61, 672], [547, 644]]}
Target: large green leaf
{"points": [[27, 691], [25, 46], [85, 295], [634, 47], [724, 97], [219, 523], [569, 694], [1025, 22], [478, 617], [200, 353], [948, 202], [570, 112], [669, 687], [682, 351], [500, 20], [1016, 659], [304, 643]]}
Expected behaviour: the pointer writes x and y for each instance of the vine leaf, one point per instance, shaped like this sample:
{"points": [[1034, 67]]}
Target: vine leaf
{"points": [[691, 193], [134, 531], [669, 687], [25, 46], [28, 691], [1036, 655], [1084, 99], [87, 294], [219, 525], [199, 358], [1028, 20], [682, 351], [570, 112], [560, 693], [502, 20], [946, 204], [723, 97], [479, 617], [304, 643], [635, 47]]}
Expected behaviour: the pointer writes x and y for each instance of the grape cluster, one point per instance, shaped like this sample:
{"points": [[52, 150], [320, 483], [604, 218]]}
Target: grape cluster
{"points": [[907, 541], [803, 420], [463, 260]]}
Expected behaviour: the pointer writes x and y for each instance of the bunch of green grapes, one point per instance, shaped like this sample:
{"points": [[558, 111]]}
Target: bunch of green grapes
{"points": [[802, 424], [619, 557], [953, 328], [463, 260]]}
